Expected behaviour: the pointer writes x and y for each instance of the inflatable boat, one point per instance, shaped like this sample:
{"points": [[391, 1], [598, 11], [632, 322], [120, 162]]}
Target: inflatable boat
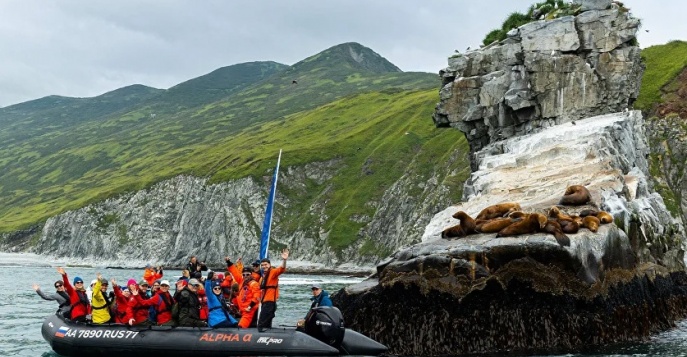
{"points": [[323, 335]]}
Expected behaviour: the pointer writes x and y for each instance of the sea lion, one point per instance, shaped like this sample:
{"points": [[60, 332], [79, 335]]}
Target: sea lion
{"points": [[555, 212], [517, 215], [494, 225], [575, 195], [499, 210], [530, 224], [604, 217], [466, 222], [553, 227], [592, 223], [571, 227], [453, 232], [588, 212]]}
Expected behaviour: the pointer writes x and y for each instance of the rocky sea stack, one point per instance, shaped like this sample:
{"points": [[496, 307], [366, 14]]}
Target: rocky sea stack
{"points": [[544, 109]]}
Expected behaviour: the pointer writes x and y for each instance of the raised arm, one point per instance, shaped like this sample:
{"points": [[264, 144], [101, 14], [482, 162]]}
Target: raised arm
{"points": [[284, 255]]}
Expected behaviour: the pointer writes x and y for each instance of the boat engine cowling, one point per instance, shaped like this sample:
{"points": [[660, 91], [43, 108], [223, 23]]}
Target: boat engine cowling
{"points": [[326, 324]]}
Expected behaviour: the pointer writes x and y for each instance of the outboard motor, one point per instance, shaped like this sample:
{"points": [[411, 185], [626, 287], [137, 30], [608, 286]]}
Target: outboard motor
{"points": [[326, 324]]}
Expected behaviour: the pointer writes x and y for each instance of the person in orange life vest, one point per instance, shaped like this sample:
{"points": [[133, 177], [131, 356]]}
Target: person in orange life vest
{"points": [[77, 297], [248, 298], [269, 284], [152, 273], [138, 306], [225, 282], [122, 296], [163, 304]]}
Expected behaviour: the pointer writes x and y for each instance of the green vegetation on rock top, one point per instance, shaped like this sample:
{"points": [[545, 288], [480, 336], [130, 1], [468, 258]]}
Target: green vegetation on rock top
{"points": [[663, 64], [547, 10]]}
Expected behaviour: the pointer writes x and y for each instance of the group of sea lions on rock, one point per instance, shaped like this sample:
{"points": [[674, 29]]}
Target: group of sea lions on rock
{"points": [[508, 219]]}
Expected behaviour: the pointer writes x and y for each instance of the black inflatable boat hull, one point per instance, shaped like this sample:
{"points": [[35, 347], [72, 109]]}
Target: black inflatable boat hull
{"points": [[75, 339]]}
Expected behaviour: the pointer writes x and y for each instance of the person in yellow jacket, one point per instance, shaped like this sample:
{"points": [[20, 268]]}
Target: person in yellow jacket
{"points": [[100, 305]]}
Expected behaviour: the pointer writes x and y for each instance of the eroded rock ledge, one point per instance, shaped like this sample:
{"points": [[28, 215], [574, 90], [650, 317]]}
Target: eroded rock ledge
{"points": [[545, 73], [483, 294]]}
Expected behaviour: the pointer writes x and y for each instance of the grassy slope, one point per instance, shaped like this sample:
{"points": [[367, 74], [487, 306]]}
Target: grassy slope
{"points": [[663, 63], [69, 167], [375, 122]]}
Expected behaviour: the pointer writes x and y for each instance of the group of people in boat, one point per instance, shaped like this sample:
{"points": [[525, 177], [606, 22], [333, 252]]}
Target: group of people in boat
{"points": [[243, 296]]}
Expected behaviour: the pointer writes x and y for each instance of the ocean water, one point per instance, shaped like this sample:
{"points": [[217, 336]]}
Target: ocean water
{"points": [[22, 311]]}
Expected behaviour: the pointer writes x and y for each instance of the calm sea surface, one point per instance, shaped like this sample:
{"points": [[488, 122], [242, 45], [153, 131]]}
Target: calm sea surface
{"points": [[22, 311]]}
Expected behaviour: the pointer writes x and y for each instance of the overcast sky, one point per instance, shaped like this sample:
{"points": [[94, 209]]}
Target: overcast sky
{"points": [[83, 48]]}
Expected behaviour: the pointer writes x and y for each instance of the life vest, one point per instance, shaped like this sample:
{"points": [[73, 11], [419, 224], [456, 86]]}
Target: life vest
{"points": [[83, 300], [269, 284]]}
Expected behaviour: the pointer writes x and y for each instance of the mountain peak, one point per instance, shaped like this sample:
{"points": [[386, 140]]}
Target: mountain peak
{"points": [[351, 54]]}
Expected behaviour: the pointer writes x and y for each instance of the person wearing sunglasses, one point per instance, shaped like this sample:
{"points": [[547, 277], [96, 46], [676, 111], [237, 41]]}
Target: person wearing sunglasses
{"points": [[60, 296], [100, 305], [218, 313], [248, 299], [78, 299]]}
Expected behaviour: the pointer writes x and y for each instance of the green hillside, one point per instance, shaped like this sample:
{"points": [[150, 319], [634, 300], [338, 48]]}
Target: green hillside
{"points": [[663, 64], [66, 167], [46, 115]]}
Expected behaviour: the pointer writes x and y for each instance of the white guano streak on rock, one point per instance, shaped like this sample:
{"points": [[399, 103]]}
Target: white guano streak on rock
{"points": [[535, 169]]}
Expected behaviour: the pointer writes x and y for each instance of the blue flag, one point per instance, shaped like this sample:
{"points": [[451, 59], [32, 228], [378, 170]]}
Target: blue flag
{"points": [[267, 224]]}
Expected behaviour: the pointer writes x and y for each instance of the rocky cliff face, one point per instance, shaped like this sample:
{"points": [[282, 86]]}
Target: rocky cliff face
{"points": [[520, 102], [545, 73], [668, 155], [527, 293], [174, 219]]}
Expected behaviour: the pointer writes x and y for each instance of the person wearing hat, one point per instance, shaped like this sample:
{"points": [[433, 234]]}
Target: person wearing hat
{"points": [[163, 305], [143, 289], [60, 296], [248, 299], [269, 284], [100, 304], [122, 295], [139, 307], [77, 297], [319, 297], [89, 290], [189, 305], [218, 314], [152, 273]]}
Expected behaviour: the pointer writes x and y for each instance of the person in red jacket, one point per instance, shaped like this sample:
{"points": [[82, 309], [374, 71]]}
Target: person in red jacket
{"points": [[163, 305], [138, 311], [248, 299], [269, 284], [122, 296], [77, 297], [203, 299]]}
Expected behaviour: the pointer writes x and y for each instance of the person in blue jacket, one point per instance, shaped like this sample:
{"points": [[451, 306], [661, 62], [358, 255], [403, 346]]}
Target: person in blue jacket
{"points": [[218, 313], [319, 297]]}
